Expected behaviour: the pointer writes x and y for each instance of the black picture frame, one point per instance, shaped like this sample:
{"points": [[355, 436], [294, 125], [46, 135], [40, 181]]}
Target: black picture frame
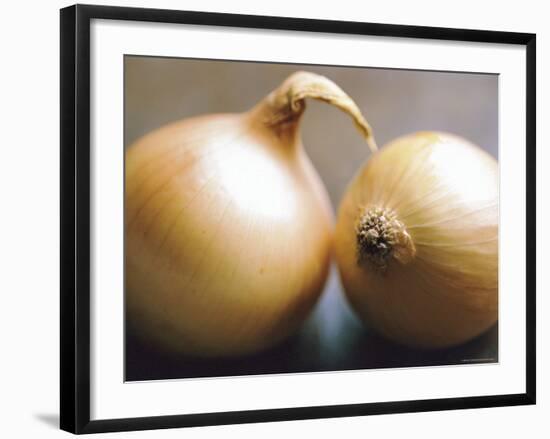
{"points": [[75, 217]]}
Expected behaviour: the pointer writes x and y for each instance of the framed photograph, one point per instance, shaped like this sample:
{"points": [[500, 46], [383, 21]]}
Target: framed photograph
{"points": [[275, 218]]}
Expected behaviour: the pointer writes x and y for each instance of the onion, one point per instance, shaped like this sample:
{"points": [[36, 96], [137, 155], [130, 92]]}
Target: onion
{"points": [[416, 240], [228, 227]]}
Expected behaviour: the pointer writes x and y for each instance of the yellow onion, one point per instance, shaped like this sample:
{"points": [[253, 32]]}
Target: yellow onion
{"points": [[228, 226], [416, 240]]}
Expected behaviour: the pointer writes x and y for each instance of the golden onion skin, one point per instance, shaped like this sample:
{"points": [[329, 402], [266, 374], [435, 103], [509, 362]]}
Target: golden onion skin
{"points": [[228, 232], [228, 226], [439, 287]]}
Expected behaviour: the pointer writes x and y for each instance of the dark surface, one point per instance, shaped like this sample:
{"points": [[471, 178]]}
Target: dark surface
{"points": [[331, 339]]}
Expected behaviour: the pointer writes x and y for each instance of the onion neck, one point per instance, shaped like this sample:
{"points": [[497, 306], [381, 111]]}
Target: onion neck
{"points": [[282, 109], [380, 238]]}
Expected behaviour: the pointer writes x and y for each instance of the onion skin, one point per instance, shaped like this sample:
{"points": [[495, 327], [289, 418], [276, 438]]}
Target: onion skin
{"points": [[439, 288], [228, 228]]}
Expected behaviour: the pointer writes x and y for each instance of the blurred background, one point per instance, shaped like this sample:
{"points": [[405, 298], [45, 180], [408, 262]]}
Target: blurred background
{"points": [[395, 102]]}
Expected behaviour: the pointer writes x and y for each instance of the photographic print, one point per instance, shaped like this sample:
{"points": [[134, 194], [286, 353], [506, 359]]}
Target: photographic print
{"points": [[289, 218], [268, 219]]}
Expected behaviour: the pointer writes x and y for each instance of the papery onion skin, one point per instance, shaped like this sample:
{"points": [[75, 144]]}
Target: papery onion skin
{"points": [[228, 228], [440, 286]]}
